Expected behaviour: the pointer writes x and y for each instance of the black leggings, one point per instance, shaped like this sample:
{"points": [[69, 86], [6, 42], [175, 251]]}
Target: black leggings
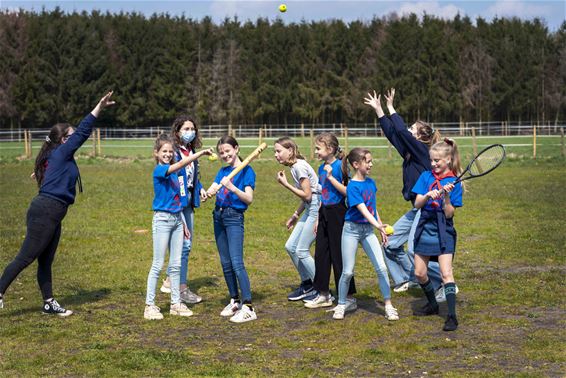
{"points": [[328, 251], [42, 237]]}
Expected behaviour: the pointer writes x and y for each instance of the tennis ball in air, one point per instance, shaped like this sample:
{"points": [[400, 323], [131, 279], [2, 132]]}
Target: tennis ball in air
{"points": [[389, 230], [213, 157], [282, 8]]}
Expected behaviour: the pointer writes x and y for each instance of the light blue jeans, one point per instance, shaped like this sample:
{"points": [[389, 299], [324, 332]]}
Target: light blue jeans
{"points": [[189, 214], [401, 265], [299, 243], [167, 232], [352, 235]]}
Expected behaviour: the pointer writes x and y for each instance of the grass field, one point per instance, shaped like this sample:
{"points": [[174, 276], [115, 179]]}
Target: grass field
{"points": [[510, 269]]}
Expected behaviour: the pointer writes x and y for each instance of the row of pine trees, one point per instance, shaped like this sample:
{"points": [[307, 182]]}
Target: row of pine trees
{"points": [[54, 66]]}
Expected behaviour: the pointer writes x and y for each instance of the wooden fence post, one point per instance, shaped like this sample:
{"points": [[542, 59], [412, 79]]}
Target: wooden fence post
{"points": [[26, 146], [474, 143], [563, 149], [346, 139], [98, 142], [534, 141], [302, 130], [260, 139], [312, 144]]}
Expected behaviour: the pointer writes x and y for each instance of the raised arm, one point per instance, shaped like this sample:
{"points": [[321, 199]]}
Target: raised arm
{"points": [[385, 123], [186, 160], [83, 131]]}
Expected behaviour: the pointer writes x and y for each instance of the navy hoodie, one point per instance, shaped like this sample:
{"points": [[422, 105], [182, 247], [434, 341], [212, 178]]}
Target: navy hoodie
{"points": [[62, 171], [415, 154]]}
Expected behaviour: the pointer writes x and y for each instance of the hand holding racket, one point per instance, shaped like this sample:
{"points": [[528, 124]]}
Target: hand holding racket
{"points": [[486, 161]]}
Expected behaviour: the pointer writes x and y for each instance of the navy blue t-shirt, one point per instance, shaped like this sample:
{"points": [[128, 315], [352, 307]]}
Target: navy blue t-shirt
{"points": [[360, 192], [224, 197], [167, 191], [330, 195]]}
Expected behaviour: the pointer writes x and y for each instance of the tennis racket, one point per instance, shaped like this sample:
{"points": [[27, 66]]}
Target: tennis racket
{"points": [[486, 161]]}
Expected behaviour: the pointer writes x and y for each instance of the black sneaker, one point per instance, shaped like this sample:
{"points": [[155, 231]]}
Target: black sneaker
{"points": [[451, 323], [52, 307], [300, 293], [426, 310]]}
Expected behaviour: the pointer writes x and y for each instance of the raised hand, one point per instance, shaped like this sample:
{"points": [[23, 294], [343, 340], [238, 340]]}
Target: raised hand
{"points": [[375, 102], [103, 103], [389, 97]]}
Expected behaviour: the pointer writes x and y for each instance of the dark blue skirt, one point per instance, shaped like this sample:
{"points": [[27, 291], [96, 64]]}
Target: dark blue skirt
{"points": [[428, 238]]}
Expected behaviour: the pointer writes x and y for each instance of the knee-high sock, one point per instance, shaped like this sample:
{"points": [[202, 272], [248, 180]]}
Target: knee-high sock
{"points": [[429, 292], [450, 291]]}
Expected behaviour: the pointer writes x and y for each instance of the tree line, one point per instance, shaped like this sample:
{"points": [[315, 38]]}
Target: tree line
{"points": [[54, 65]]}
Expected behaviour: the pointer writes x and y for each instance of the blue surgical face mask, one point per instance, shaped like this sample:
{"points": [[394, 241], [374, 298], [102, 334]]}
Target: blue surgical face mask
{"points": [[188, 136]]}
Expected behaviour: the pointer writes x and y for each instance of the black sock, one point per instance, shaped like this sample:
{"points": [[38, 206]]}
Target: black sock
{"points": [[236, 299], [306, 283], [249, 304], [429, 292], [450, 291]]}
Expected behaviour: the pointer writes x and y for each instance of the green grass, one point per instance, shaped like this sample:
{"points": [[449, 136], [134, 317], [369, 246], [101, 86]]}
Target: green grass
{"points": [[510, 266]]}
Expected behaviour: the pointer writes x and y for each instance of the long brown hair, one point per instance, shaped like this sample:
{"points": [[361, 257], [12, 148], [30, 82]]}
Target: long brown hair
{"points": [[426, 133], [355, 155], [180, 121], [53, 140], [289, 143]]}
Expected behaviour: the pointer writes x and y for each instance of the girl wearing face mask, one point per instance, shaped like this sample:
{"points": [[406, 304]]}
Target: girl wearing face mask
{"points": [[186, 138]]}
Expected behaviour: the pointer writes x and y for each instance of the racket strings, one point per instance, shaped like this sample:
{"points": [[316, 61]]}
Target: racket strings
{"points": [[487, 160]]}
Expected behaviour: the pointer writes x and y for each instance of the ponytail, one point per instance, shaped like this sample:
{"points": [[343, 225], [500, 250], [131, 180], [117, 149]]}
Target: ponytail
{"points": [[52, 141]]}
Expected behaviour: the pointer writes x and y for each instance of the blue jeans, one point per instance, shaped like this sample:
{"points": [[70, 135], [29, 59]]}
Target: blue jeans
{"points": [[401, 265], [299, 243], [167, 232], [189, 214], [229, 234], [352, 234]]}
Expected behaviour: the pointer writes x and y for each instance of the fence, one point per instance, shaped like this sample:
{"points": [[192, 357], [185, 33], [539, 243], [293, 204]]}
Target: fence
{"points": [[472, 130]]}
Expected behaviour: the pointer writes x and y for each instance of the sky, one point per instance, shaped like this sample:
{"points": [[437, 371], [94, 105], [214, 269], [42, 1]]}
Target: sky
{"points": [[552, 12]]}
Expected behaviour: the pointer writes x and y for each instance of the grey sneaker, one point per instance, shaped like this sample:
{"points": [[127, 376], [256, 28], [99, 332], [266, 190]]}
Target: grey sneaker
{"points": [[320, 301], [441, 295], [351, 304], [189, 297]]}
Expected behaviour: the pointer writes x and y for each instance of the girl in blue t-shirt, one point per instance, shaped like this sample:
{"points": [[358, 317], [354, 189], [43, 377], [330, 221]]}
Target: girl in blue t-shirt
{"points": [[186, 139], [168, 225], [307, 188], [328, 250], [360, 220], [232, 199], [435, 237]]}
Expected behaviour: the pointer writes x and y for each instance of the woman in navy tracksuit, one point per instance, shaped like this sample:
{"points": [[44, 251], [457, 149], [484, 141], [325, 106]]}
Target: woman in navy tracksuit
{"points": [[56, 173], [413, 145]]}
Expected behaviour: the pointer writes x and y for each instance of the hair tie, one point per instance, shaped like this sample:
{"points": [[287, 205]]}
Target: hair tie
{"points": [[449, 141], [339, 150], [432, 130], [47, 139]]}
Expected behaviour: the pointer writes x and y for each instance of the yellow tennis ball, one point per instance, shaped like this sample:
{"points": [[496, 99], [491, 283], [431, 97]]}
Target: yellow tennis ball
{"points": [[213, 157], [282, 8], [389, 230]]}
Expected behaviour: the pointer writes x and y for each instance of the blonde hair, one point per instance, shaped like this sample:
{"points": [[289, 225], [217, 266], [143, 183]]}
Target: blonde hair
{"points": [[427, 134], [331, 142], [448, 147], [289, 143]]}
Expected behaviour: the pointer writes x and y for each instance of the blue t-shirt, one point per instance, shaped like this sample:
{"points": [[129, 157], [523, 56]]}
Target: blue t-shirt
{"points": [[330, 195], [423, 186], [167, 192], [360, 192], [224, 197]]}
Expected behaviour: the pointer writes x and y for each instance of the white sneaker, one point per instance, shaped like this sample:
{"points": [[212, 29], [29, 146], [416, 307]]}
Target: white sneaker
{"points": [[166, 286], [245, 314], [339, 311], [152, 312], [441, 295], [320, 301], [180, 309], [188, 296], [1, 302], [401, 288], [231, 308], [391, 313], [351, 304]]}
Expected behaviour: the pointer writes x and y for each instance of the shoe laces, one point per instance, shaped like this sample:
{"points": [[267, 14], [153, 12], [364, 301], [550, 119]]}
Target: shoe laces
{"points": [[56, 306]]}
